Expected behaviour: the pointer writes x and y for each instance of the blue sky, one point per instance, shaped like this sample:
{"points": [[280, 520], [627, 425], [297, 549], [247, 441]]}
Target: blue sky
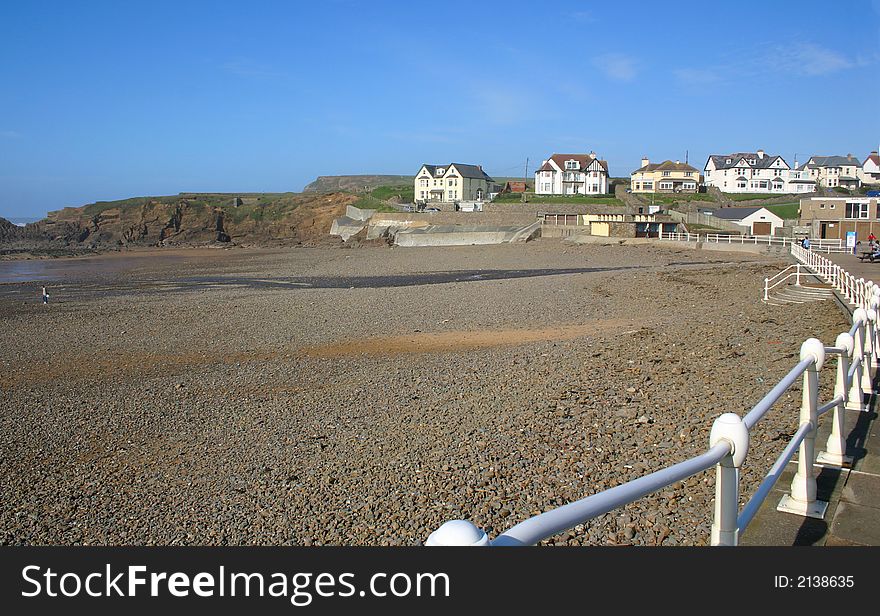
{"points": [[106, 100]]}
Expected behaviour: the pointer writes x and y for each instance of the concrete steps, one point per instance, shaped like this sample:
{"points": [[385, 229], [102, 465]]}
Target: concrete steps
{"points": [[793, 294]]}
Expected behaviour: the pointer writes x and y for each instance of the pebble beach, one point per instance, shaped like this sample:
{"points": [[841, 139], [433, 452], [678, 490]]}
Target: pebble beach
{"points": [[335, 396]]}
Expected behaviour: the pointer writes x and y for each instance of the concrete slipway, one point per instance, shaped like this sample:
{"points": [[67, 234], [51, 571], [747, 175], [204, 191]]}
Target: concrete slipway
{"points": [[447, 229]]}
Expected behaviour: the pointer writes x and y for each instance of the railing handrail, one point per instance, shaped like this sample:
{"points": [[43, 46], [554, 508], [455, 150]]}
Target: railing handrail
{"points": [[729, 439], [547, 524]]}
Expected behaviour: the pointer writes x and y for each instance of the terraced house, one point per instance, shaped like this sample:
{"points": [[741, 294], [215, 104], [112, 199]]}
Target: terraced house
{"points": [[452, 183], [572, 174], [758, 172], [667, 177], [833, 171]]}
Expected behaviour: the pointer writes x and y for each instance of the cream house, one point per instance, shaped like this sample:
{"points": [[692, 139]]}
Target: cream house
{"points": [[572, 174], [452, 183], [833, 171], [667, 176]]}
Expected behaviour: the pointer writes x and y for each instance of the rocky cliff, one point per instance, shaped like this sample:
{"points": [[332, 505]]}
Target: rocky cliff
{"points": [[187, 219]]}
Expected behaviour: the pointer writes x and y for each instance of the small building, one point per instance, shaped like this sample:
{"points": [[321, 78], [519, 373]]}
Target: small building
{"points": [[665, 177], [515, 187], [754, 220], [833, 217], [572, 174], [452, 183]]}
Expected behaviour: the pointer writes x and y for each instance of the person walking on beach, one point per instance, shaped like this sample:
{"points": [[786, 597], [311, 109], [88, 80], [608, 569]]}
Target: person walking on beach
{"points": [[45, 296]]}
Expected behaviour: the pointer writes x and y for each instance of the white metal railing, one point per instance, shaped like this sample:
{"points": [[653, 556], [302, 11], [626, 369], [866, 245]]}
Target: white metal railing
{"points": [[783, 277], [856, 351], [819, 245]]}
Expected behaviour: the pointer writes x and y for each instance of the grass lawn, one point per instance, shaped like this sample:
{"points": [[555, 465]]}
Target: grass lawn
{"points": [[368, 202], [674, 198], [573, 199], [405, 192], [785, 210], [752, 196]]}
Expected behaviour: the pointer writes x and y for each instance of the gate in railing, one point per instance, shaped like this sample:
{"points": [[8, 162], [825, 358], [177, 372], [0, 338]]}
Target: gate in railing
{"points": [[856, 354]]}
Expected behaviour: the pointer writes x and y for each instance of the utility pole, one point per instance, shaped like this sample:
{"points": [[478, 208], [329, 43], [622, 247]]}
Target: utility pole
{"points": [[685, 157], [526, 179]]}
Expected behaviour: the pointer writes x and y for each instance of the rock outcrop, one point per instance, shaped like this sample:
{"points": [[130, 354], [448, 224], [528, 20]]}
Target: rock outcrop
{"points": [[188, 219]]}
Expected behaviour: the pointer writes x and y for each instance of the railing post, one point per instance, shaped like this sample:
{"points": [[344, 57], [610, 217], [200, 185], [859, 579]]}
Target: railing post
{"points": [[868, 351], [835, 447], [728, 427], [766, 288], [798, 278], [802, 500], [856, 397], [458, 533], [875, 343]]}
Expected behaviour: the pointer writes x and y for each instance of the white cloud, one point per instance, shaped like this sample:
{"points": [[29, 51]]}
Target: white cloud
{"points": [[617, 66], [809, 59]]}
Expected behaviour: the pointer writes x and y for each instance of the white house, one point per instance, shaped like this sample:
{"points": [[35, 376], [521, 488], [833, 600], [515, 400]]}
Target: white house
{"points": [[572, 174], [746, 172], [870, 172], [754, 220], [452, 183]]}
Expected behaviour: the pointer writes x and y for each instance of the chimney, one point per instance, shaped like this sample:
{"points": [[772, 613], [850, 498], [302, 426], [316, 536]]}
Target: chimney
{"points": [[645, 161], [678, 162], [761, 154]]}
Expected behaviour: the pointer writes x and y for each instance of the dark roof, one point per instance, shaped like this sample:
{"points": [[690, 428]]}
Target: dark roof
{"points": [[471, 171], [468, 171], [735, 213], [832, 161], [584, 160], [666, 165], [720, 160]]}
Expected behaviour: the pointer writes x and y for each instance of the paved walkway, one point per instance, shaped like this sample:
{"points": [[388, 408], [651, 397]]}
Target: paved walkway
{"points": [[853, 495]]}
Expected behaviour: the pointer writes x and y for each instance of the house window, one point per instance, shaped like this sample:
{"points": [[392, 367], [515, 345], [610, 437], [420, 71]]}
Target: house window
{"points": [[856, 210], [665, 185], [666, 174], [688, 174], [741, 184], [571, 164], [648, 186], [688, 186]]}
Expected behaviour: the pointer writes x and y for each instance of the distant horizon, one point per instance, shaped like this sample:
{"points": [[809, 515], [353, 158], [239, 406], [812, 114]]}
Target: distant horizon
{"points": [[108, 101]]}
